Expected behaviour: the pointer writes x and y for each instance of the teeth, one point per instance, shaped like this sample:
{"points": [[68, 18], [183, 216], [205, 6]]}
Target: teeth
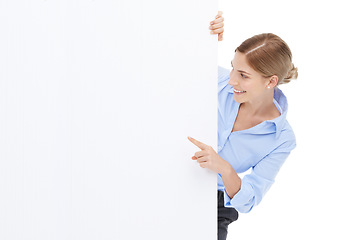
{"points": [[238, 91]]}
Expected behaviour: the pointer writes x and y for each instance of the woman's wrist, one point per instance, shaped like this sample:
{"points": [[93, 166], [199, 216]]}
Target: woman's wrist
{"points": [[226, 169], [231, 180]]}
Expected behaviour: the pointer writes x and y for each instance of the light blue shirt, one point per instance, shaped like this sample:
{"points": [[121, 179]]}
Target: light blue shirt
{"points": [[264, 147]]}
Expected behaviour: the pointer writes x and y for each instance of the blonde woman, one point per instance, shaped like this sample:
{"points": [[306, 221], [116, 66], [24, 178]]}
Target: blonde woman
{"points": [[252, 128]]}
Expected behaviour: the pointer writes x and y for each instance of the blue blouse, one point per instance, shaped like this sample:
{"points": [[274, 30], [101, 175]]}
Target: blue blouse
{"points": [[264, 147]]}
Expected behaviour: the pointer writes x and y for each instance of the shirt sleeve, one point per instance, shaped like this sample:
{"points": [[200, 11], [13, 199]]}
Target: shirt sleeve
{"points": [[258, 182]]}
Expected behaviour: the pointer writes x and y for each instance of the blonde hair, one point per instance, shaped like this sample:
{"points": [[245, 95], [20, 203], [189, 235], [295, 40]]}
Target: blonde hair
{"points": [[269, 55]]}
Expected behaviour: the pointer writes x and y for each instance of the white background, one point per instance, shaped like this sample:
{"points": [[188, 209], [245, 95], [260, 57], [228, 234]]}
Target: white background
{"points": [[97, 99], [316, 193]]}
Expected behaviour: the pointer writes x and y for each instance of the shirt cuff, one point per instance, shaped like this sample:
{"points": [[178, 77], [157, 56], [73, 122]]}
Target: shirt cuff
{"points": [[243, 200]]}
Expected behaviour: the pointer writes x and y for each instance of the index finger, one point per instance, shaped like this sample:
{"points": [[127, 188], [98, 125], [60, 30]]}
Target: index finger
{"points": [[201, 145]]}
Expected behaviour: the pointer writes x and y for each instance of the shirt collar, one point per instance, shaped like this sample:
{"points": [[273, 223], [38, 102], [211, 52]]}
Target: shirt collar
{"points": [[277, 124], [280, 102]]}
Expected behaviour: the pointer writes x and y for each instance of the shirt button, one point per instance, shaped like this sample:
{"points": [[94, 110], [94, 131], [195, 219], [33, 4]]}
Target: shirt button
{"points": [[219, 148]]}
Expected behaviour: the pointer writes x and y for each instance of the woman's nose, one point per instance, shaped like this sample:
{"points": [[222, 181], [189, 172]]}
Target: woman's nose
{"points": [[232, 82]]}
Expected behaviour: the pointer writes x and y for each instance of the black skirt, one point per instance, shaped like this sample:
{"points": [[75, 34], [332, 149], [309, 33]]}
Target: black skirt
{"points": [[226, 216]]}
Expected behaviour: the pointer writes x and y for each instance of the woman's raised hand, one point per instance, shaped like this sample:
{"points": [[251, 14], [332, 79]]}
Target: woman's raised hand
{"points": [[217, 26], [208, 158]]}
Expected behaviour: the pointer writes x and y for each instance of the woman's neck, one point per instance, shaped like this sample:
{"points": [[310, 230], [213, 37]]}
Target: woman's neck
{"points": [[263, 107]]}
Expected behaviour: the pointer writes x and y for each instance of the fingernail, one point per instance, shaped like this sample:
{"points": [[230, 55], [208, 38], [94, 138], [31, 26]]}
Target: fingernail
{"points": [[211, 23]]}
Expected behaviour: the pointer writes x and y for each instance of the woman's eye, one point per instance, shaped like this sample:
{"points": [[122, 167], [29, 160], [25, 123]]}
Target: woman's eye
{"points": [[243, 75]]}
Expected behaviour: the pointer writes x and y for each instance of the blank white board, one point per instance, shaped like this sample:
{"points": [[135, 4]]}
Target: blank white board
{"points": [[97, 99]]}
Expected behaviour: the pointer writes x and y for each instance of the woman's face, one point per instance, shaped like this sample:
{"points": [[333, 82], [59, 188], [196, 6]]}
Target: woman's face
{"points": [[245, 79]]}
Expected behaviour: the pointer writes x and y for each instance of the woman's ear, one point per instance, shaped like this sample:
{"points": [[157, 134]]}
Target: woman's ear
{"points": [[273, 81]]}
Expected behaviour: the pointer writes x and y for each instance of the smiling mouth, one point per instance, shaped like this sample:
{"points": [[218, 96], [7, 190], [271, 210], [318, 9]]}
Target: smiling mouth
{"points": [[238, 92]]}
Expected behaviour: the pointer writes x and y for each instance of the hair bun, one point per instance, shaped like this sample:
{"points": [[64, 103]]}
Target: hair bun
{"points": [[292, 74]]}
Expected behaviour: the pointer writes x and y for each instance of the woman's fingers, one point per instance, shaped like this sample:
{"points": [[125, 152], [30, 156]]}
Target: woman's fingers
{"points": [[200, 154], [218, 25], [216, 31], [203, 165], [199, 159], [217, 20], [201, 145]]}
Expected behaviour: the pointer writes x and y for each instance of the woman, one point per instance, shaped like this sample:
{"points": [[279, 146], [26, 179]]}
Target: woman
{"points": [[252, 128]]}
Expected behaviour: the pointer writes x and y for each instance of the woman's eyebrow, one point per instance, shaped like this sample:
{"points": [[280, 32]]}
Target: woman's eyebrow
{"points": [[240, 70], [244, 72]]}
